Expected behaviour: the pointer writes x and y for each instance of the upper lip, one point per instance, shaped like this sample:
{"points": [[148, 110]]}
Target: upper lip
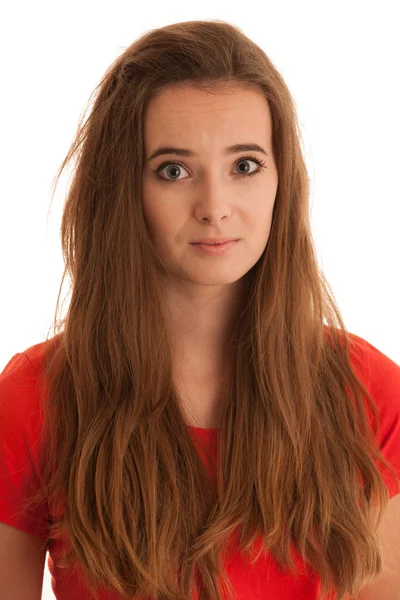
{"points": [[213, 240]]}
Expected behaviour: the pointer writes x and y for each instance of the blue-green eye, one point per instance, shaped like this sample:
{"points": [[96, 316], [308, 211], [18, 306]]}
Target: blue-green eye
{"points": [[260, 163]]}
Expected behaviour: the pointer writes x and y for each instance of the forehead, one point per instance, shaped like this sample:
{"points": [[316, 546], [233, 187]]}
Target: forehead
{"points": [[228, 111]]}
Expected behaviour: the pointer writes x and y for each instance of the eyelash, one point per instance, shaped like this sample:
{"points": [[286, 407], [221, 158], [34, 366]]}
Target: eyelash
{"points": [[260, 163]]}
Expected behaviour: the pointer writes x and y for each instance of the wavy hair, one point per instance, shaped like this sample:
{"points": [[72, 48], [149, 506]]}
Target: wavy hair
{"points": [[141, 514]]}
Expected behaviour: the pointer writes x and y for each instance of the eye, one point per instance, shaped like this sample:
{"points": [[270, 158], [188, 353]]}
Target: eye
{"points": [[177, 166]]}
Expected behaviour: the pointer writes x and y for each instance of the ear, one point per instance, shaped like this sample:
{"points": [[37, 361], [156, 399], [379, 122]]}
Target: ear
{"points": [[387, 585]]}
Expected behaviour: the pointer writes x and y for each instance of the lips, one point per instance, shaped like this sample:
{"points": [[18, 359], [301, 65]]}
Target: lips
{"points": [[213, 249], [212, 244]]}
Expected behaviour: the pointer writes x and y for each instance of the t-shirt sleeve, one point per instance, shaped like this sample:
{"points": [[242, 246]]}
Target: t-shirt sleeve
{"points": [[19, 438], [381, 376]]}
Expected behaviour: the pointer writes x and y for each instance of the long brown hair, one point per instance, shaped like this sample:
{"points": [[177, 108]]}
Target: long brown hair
{"points": [[295, 441]]}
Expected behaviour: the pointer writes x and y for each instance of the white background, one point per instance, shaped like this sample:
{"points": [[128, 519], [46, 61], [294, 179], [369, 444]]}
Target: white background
{"points": [[341, 63]]}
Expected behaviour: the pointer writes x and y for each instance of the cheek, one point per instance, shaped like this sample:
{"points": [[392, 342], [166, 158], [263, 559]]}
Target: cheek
{"points": [[151, 203], [163, 211], [152, 207], [148, 218], [160, 219], [259, 224]]}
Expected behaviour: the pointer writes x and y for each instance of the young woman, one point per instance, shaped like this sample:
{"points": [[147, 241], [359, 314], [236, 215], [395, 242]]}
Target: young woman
{"points": [[201, 424]]}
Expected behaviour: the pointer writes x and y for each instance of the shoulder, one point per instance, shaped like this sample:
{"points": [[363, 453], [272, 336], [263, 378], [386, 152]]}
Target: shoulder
{"points": [[20, 429], [379, 373], [20, 389], [381, 377]]}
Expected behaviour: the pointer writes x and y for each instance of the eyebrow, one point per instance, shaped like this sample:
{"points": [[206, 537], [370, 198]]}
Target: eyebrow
{"points": [[236, 148]]}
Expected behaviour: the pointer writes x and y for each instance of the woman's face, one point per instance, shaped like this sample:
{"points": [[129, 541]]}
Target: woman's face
{"points": [[207, 193]]}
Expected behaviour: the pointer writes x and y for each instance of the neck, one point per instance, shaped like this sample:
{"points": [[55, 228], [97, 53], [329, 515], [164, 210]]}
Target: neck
{"points": [[201, 325]]}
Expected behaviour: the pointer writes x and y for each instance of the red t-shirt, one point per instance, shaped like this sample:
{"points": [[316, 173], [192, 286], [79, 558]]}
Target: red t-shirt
{"points": [[19, 436]]}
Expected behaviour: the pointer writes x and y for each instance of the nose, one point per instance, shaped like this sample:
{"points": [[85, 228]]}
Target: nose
{"points": [[212, 202]]}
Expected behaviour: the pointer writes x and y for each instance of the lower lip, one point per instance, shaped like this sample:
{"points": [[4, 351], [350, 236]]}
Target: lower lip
{"points": [[215, 249]]}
